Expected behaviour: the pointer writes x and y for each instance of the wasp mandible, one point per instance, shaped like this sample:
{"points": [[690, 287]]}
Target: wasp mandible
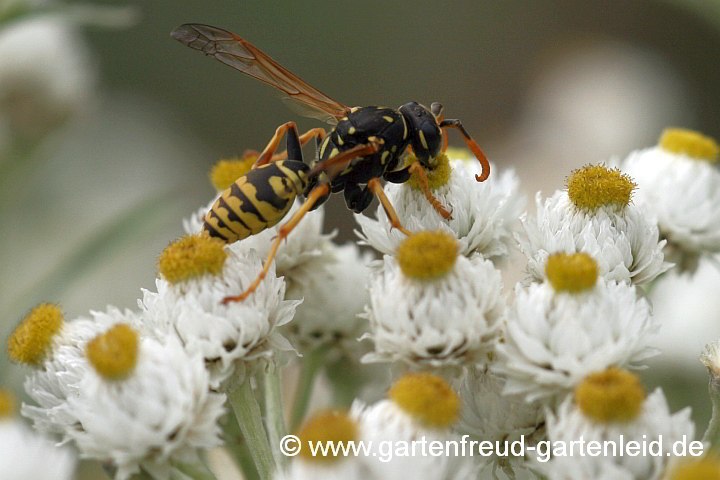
{"points": [[365, 145]]}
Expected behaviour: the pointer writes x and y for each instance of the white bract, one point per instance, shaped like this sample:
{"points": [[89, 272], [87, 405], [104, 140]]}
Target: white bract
{"points": [[64, 368], [683, 193], [446, 322], [554, 339], [163, 411], [484, 215], [624, 242], [229, 337], [655, 422], [25, 455], [333, 294], [400, 446]]}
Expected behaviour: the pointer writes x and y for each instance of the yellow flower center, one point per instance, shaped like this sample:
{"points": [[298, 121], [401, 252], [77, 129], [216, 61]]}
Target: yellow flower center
{"points": [[596, 186], [690, 143], [438, 173], [427, 398], [32, 338], [225, 172], [329, 428], [192, 256], [613, 395], [427, 255], [706, 468], [113, 354], [572, 273], [7, 403]]}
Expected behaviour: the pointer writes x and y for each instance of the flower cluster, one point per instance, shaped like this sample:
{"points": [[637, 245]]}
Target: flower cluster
{"points": [[458, 360]]}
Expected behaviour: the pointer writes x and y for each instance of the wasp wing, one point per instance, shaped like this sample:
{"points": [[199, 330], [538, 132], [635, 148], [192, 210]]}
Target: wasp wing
{"points": [[228, 48]]}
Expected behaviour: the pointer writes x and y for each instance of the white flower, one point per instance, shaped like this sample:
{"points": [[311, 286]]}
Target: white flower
{"points": [[231, 336], [489, 415], [163, 411], [447, 322], [623, 242], [333, 294], [553, 339], [484, 215], [304, 244], [401, 446], [683, 193], [45, 75], [654, 423], [345, 469], [28, 456], [63, 369]]}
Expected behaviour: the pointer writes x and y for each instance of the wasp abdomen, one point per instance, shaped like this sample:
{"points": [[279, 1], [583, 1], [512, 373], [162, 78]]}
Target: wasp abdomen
{"points": [[256, 201]]}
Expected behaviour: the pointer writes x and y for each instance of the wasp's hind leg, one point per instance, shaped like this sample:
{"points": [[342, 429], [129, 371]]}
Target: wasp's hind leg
{"points": [[318, 193], [375, 187], [268, 155]]}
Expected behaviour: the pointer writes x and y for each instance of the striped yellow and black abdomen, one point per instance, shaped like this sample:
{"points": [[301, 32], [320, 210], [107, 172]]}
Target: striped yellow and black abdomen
{"points": [[256, 201]]}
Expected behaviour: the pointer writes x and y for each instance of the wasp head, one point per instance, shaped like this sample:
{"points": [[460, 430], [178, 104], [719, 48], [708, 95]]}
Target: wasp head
{"points": [[425, 133]]}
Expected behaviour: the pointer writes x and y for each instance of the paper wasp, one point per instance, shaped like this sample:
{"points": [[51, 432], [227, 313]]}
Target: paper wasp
{"points": [[366, 145]]}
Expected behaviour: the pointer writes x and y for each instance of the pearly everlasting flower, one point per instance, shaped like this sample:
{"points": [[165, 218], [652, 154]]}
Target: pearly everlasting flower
{"points": [[489, 415], [484, 215], [189, 304], [164, 406], [595, 217], [614, 413], [46, 75], [333, 429], [679, 182], [26, 455], [64, 367], [555, 336], [446, 321], [332, 302], [420, 412]]}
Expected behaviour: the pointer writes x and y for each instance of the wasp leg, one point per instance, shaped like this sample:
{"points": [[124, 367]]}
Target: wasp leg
{"points": [[419, 171], [318, 193], [473, 146], [268, 155], [318, 133], [375, 186], [357, 199], [339, 162]]}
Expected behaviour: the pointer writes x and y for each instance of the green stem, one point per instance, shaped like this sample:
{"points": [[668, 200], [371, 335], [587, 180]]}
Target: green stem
{"points": [[238, 449], [249, 417], [274, 411], [311, 364], [712, 434], [196, 471]]}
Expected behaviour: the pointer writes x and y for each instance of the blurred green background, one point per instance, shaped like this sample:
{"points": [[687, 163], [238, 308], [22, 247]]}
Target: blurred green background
{"points": [[543, 86]]}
